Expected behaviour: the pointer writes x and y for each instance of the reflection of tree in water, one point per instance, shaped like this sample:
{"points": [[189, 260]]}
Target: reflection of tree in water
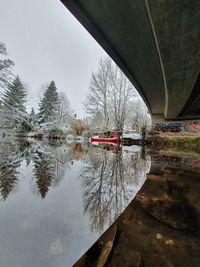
{"points": [[44, 173], [50, 162], [76, 151], [108, 185], [26, 151], [49, 168], [138, 166], [8, 177], [9, 162], [23, 150]]}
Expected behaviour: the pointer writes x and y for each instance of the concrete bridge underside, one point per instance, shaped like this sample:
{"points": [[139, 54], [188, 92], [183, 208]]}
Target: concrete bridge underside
{"points": [[157, 45]]}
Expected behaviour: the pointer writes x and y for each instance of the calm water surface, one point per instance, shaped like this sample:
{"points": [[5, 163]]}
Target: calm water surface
{"points": [[57, 199], [161, 226]]}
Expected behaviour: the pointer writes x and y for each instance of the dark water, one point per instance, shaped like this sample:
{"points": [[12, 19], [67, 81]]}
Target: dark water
{"points": [[57, 199], [161, 225]]}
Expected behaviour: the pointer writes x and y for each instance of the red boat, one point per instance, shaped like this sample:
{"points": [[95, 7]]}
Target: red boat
{"points": [[112, 140]]}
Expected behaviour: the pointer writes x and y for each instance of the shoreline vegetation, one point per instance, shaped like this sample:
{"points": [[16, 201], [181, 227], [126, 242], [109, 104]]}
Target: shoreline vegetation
{"points": [[110, 103], [177, 143]]}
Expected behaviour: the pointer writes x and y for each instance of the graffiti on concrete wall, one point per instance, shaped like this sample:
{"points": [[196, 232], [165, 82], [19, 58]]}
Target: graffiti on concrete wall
{"points": [[191, 127], [186, 126], [171, 127]]}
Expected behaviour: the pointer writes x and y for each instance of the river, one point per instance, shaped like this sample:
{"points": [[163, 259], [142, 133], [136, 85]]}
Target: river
{"points": [[58, 198]]}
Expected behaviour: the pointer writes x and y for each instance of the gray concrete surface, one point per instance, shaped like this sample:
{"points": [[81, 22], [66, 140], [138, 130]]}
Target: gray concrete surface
{"points": [[155, 43]]}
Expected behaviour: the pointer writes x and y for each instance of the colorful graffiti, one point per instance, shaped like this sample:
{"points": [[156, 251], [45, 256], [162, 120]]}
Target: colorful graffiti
{"points": [[191, 127], [171, 127], [186, 126]]}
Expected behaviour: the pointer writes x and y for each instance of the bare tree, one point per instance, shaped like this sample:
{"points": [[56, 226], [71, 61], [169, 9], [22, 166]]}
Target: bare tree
{"points": [[64, 108], [122, 93], [139, 117], [78, 126], [97, 121], [99, 90], [109, 93]]}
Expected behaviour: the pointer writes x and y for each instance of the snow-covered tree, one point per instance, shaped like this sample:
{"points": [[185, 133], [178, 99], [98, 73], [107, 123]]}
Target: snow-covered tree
{"points": [[112, 95], [97, 121], [122, 93], [6, 66], [64, 109], [109, 93], [48, 107], [14, 97], [97, 99], [138, 117], [32, 113], [33, 117], [13, 102]]}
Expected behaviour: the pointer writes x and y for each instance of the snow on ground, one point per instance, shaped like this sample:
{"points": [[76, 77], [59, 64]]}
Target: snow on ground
{"points": [[131, 135], [131, 149]]}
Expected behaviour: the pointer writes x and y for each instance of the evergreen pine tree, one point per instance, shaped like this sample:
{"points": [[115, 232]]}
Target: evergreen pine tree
{"points": [[14, 97], [5, 67], [32, 114], [48, 107], [13, 104]]}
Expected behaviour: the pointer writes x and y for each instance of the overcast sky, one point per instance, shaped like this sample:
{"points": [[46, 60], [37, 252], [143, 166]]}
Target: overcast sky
{"points": [[47, 43]]}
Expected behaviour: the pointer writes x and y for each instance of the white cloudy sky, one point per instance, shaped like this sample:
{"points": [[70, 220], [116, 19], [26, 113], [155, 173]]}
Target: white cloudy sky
{"points": [[47, 43]]}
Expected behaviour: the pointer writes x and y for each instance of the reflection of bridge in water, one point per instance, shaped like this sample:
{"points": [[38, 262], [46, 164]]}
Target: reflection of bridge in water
{"points": [[184, 162]]}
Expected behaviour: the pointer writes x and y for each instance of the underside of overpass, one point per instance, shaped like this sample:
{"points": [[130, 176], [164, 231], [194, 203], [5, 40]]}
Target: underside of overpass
{"points": [[156, 43]]}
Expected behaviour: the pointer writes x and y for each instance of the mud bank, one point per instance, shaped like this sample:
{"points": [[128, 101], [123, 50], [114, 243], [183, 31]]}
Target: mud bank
{"points": [[161, 226]]}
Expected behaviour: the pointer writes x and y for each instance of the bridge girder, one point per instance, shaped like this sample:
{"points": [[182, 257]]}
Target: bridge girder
{"points": [[155, 43]]}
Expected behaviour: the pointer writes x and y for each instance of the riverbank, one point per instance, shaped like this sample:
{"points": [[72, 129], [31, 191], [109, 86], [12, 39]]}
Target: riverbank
{"points": [[185, 143], [159, 228]]}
